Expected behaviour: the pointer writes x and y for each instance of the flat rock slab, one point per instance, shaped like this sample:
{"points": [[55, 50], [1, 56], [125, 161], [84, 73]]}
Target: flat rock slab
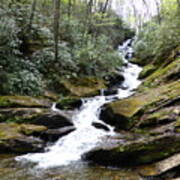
{"points": [[133, 151], [53, 135], [23, 101], [161, 166], [14, 140]]}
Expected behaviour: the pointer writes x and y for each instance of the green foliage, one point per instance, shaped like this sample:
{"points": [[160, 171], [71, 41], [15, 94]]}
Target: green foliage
{"points": [[86, 45], [24, 82], [156, 41]]}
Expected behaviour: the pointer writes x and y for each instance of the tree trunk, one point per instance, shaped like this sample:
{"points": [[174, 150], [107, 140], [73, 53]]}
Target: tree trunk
{"points": [[105, 6], [158, 11], [33, 8], [69, 8], [56, 26]]}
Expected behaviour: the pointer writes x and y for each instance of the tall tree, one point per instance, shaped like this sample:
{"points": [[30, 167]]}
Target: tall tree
{"points": [[158, 7], [56, 26], [69, 8], [33, 8]]}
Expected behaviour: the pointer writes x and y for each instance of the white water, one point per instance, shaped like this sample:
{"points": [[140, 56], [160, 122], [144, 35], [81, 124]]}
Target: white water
{"points": [[72, 146]]}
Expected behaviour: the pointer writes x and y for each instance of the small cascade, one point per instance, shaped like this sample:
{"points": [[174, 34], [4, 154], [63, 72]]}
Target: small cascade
{"points": [[71, 147]]}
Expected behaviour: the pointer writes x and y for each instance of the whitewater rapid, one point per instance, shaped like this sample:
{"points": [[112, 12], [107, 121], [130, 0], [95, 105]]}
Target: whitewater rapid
{"points": [[71, 147]]}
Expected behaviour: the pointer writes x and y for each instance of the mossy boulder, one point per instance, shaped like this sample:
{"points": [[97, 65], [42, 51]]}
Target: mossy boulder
{"points": [[31, 129], [124, 114], [177, 125], [81, 87], [163, 75], [140, 150], [158, 168], [147, 70], [54, 120], [69, 102], [21, 115], [23, 101], [161, 116], [13, 138]]}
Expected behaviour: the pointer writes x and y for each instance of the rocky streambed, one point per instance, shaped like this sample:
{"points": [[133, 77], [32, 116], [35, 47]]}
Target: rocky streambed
{"points": [[147, 125]]}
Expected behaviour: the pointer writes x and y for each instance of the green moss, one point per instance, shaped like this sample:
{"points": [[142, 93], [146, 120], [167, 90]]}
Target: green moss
{"points": [[82, 87], [30, 129], [147, 70], [69, 102], [21, 101], [21, 115], [132, 109], [163, 75]]}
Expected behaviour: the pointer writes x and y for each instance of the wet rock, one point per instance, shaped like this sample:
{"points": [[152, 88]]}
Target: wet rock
{"points": [[81, 87], [108, 92], [54, 120], [115, 79], [21, 115], [51, 95], [124, 114], [162, 75], [69, 103], [13, 140], [100, 126], [177, 125], [161, 116], [31, 129], [160, 167], [53, 135], [23, 101], [147, 70], [141, 150]]}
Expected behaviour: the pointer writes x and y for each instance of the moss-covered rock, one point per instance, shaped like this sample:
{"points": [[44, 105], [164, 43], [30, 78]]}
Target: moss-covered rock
{"points": [[161, 116], [163, 75], [81, 87], [13, 139], [141, 150], [23, 101], [69, 102], [21, 115], [160, 167], [147, 70], [125, 113], [31, 129], [177, 125]]}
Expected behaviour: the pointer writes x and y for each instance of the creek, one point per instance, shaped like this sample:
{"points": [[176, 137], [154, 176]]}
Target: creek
{"points": [[62, 160]]}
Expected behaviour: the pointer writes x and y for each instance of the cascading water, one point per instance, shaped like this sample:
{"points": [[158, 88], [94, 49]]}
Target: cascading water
{"points": [[71, 147]]}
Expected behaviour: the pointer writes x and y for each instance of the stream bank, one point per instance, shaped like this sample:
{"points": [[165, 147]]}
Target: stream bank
{"points": [[146, 125]]}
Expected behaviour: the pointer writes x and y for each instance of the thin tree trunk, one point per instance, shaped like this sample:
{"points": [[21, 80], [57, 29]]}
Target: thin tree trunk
{"points": [[105, 6], [33, 9], [56, 26], [158, 11], [69, 8]]}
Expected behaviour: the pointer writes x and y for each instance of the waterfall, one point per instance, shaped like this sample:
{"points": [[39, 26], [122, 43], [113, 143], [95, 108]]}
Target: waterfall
{"points": [[71, 147]]}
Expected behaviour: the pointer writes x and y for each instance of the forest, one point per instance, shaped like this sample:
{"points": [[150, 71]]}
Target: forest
{"points": [[89, 89]]}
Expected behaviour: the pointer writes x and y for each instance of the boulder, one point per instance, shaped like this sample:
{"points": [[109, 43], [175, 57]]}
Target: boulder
{"points": [[161, 116], [141, 149], [163, 75], [69, 103], [21, 115], [160, 167], [125, 113], [81, 87], [54, 120], [53, 135], [147, 70], [23, 101], [100, 126], [14, 140], [116, 79]]}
